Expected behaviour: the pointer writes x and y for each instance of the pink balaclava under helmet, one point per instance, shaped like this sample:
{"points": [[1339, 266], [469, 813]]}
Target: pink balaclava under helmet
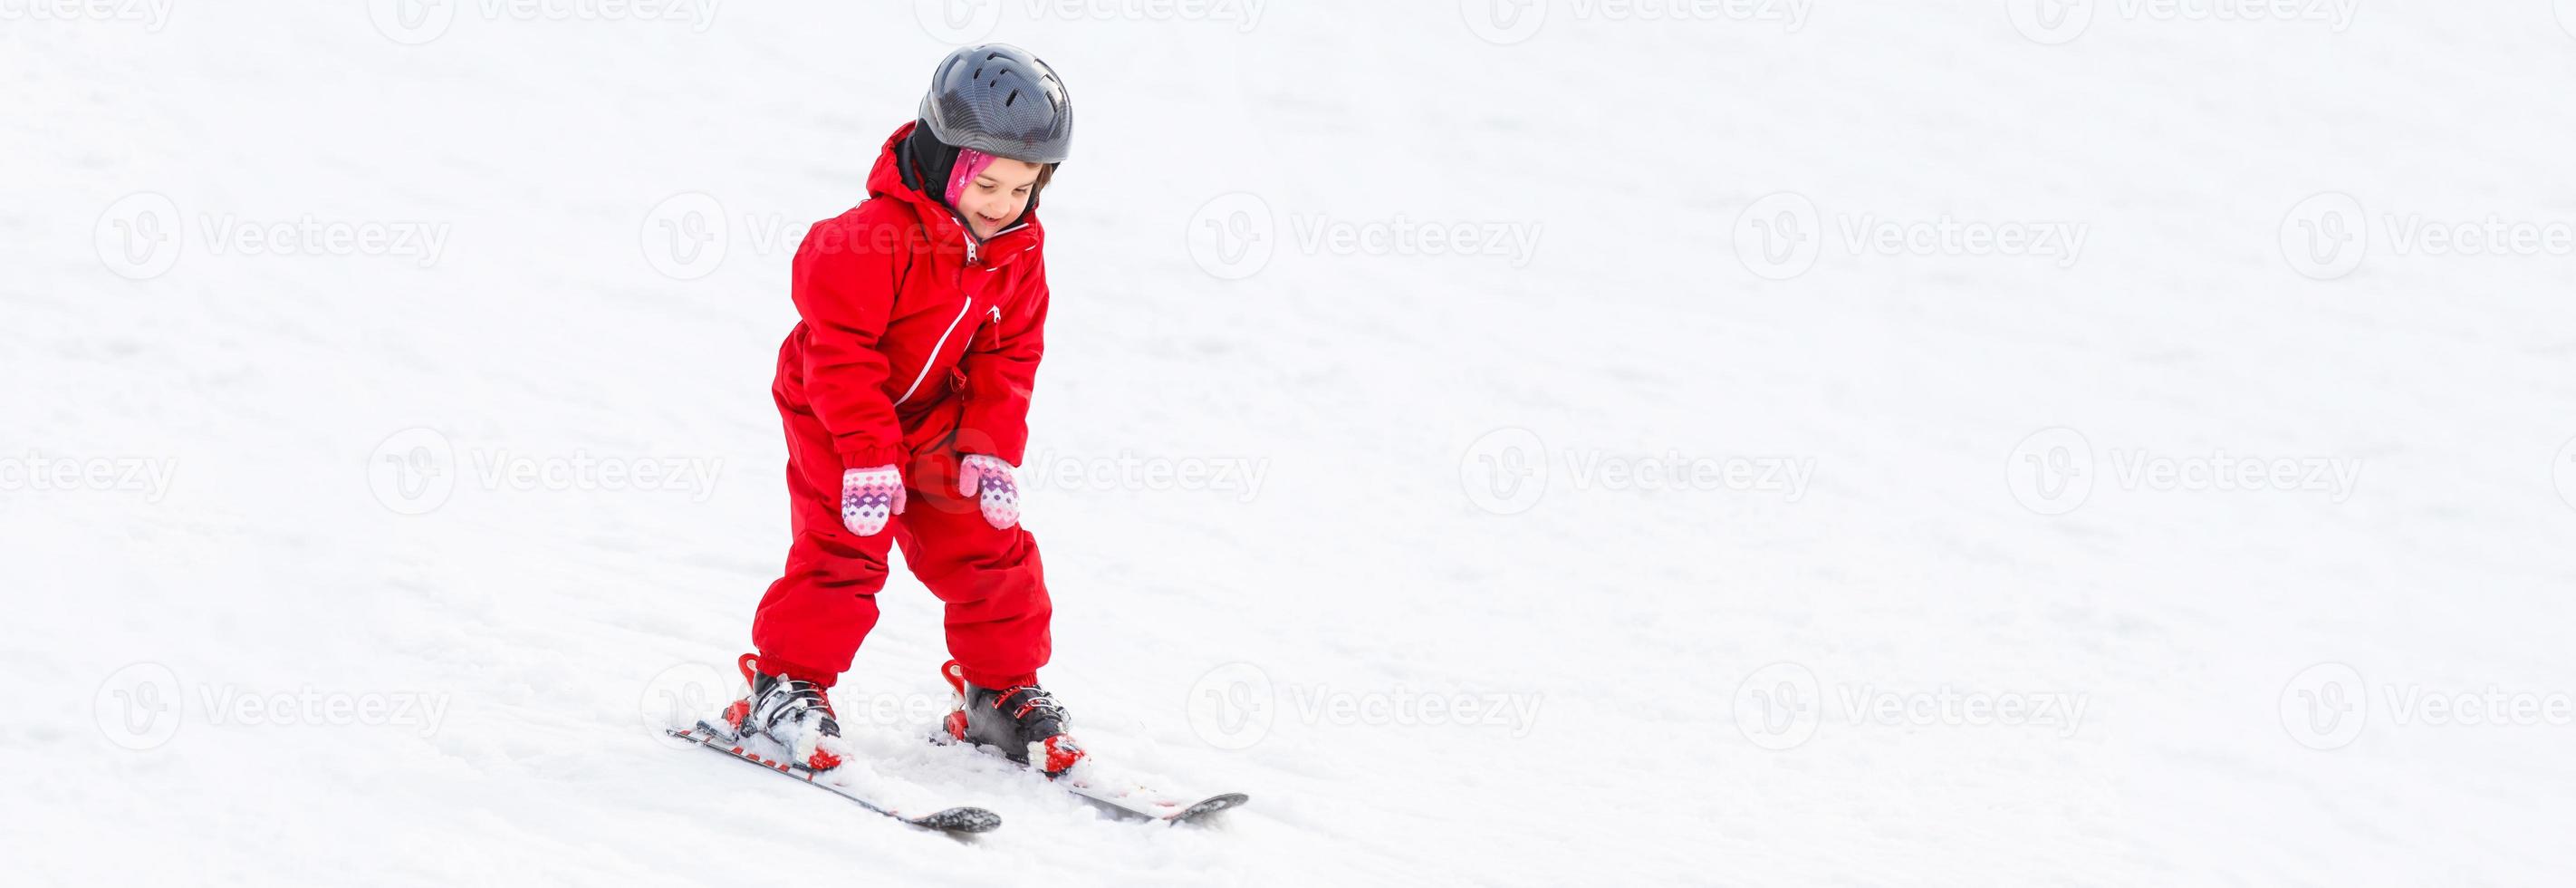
{"points": [[970, 163]]}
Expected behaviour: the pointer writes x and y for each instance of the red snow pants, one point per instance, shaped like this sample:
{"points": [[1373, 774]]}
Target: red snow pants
{"points": [[811, 620]]}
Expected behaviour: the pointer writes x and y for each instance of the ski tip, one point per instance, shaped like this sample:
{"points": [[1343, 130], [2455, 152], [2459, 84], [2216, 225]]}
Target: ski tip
{"points": [[1211, 805], [959, 820]]}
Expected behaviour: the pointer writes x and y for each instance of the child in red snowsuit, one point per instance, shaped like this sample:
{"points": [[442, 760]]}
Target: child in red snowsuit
{"points": [[905, 391]]}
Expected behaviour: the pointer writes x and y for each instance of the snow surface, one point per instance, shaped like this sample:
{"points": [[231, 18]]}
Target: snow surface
{"points": [[1314, 483]]}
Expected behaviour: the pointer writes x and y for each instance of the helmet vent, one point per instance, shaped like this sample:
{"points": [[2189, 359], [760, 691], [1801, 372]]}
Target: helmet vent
{"points": [[1015, 96]]}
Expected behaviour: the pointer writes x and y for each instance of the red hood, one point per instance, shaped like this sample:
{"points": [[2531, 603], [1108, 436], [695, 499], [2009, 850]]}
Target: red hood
{"points": [[886, 181]]}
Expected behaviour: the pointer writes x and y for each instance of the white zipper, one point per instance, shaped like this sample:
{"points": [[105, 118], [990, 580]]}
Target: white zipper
{"points": [[969, 232], [952, 322], [935, 348]]}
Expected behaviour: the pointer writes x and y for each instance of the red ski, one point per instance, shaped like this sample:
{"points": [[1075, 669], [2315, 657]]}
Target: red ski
{"points": [[951, 820]]}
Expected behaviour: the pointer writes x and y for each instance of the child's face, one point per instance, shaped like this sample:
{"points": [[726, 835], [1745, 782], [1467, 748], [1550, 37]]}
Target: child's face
{"points": [[997, 195]]}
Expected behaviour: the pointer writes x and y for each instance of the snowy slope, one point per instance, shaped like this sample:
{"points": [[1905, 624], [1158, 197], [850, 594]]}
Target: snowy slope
{"points": [[1729, 506]]}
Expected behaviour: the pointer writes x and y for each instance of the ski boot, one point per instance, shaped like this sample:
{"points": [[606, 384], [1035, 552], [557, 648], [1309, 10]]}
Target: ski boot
{"points": [[1023, 723], [794, 712]]}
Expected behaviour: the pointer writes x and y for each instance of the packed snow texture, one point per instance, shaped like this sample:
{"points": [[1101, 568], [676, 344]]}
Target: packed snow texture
{"points": [[1776, 443]]}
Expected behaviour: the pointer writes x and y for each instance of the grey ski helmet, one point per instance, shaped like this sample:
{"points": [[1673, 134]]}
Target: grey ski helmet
{"points": [[999, 99]]}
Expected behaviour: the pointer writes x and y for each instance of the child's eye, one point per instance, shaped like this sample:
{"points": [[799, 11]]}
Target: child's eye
{"points": [[1020, 190]]}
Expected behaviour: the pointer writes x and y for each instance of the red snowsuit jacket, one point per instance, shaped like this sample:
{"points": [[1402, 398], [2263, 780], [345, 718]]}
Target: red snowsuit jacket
{"points": [[915, 339]]}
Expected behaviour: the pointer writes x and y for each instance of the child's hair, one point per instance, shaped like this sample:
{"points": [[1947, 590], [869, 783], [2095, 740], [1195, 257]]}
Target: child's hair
{"points": [[1046, 173]]}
